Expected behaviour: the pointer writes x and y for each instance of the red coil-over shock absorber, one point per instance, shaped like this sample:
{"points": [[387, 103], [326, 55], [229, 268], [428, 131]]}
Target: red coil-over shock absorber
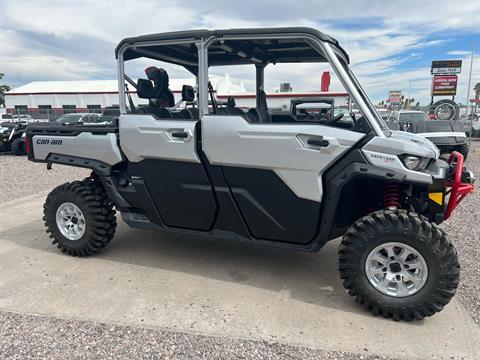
{"points": [[391, 196]]}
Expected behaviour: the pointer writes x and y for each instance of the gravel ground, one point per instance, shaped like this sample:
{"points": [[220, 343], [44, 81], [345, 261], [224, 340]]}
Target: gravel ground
{"points": [[20, 177], [463, 229], [28, 337], [32, 337]]}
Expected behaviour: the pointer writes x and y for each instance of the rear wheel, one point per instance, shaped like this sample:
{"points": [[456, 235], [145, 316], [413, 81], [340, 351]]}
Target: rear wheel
{"points": [[18, 146], [399, 265], [79, 217]]}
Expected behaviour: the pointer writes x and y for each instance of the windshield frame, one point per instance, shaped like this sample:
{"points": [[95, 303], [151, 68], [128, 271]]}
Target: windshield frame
{"points": [[355, 90], [377, 116]]}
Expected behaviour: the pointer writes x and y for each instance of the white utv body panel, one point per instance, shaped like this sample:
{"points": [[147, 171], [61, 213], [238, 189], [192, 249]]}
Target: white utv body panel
{"points": [[101, 147], [401, 142], [145, 137], [383, 152], [283, 148], [416, 139]]}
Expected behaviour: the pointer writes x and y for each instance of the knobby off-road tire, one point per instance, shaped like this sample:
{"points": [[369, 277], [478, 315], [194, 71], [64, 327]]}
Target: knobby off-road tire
{"points": [[85, 204], [414, 232], [18, 147]]}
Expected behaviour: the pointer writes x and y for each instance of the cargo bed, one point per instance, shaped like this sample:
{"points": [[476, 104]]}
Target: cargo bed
{"points": [[93, 146]]}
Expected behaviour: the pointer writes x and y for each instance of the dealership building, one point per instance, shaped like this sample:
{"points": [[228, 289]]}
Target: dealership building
{"points": [[60, 97]]}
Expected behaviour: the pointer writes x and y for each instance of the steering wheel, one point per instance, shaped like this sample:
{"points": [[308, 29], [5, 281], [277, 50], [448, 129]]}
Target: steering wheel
{"points": [[335, 119]]}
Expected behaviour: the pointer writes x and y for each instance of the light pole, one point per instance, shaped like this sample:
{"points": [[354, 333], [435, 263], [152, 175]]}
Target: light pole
{"points": [[470, 77], [468, 94], [409, 88]]}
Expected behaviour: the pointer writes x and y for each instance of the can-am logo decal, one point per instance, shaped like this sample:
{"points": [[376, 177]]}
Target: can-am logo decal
{"points": [[49, 142], [384, 158]]}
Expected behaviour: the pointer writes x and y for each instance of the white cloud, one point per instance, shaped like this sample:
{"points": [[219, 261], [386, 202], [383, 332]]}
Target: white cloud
{"points": [[106, 20], [24, 62], [384, 36], [459, 52]]}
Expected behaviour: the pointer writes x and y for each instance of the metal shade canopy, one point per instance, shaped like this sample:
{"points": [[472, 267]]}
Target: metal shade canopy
{"points": [[231, 47]]}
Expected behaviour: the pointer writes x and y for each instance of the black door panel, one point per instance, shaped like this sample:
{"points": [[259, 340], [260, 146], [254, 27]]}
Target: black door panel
{"points": [[181, 191], [272, 211]]}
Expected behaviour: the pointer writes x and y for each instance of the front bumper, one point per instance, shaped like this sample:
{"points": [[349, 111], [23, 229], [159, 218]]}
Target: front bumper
{"points": [[451, 183], [459, 182]]}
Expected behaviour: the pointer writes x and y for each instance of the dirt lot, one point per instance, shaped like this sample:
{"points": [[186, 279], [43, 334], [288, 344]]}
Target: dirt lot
{"points": [[20, 177], [464, 231], [166, 297]]}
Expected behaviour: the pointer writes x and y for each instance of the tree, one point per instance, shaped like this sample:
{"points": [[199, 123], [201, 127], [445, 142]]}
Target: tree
{"points": [[3, 90], [477, 94], [477, 90]]}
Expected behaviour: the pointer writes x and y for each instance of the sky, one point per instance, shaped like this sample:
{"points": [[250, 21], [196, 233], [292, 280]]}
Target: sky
{"points": [[391, 43]]}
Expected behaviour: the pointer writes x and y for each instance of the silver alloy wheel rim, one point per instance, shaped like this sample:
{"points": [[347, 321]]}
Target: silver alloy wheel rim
{"points": [[396, 269], [70, 221]]}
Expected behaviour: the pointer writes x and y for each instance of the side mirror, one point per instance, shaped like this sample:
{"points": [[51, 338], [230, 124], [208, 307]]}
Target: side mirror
{"points": [[144, 89], [188, 94]]}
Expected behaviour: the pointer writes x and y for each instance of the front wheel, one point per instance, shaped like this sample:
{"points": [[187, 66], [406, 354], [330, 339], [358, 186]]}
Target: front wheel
{"points": [[399, 265], [79, 217]]}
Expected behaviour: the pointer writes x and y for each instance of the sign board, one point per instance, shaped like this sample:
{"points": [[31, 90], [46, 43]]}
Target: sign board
{"points": [[444, 85], [446, 67], [394, 97]]}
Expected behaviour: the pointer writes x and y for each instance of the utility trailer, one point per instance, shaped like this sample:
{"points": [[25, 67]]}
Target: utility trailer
{"points": [[202, 168]]}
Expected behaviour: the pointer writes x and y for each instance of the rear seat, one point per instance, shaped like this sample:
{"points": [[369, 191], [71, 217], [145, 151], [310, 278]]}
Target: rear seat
{"points": [[231, 109]]}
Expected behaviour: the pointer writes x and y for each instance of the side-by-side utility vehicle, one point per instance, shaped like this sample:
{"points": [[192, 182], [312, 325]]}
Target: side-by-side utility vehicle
{"points": [[447, 135], [200, 167], [12, 134]]}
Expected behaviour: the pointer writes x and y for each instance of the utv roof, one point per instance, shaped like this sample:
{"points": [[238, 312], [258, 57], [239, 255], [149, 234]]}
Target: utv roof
{"points": [[237, 46]]}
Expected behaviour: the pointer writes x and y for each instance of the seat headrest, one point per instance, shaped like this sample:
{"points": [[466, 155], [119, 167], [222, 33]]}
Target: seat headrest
{"points": [[144, 89], [158, 75]]}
